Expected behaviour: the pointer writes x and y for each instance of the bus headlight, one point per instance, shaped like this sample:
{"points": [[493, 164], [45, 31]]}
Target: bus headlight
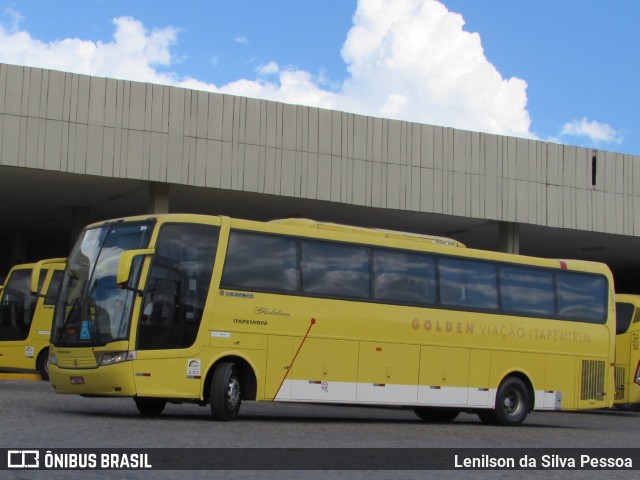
{"points": [[116, 357], [53, 359]]}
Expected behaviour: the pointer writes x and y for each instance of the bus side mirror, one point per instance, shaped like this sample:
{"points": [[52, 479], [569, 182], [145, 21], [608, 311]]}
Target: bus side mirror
{"points": [[125, 267], [37, 270]]}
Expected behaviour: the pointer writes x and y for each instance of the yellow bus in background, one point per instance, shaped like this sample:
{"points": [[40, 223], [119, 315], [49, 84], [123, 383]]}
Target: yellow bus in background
{"points": [[627, 351], [26, 312], [212, 310]]}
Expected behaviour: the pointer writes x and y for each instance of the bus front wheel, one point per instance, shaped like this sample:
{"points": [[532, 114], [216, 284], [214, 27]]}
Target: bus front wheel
{"points": [[42, 364], [226, 392], [513, 403], [150, 407]]}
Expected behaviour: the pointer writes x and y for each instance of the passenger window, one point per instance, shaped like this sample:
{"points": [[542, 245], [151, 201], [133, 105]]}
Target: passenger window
{"points": [[404, 277], [335, 270], [582, 297], [468, 283], [261, 262], [527, 291]]}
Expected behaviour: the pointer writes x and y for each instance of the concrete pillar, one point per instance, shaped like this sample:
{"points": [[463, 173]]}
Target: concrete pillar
{"points": [[158, 198], [18, 250], [509, 237]]}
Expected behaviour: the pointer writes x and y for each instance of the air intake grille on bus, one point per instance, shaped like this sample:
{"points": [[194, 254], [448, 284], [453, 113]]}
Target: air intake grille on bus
{"points": [[621, 374], [592, 380]]}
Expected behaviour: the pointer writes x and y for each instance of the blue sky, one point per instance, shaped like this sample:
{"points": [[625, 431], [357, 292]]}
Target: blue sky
{"points": [[562, 71]]}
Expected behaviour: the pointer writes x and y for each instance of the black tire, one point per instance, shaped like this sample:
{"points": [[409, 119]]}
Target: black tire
{"points": [[226, 392], [513, 403], [42, 364], [486, 417], [150, 407], [436, 415]]}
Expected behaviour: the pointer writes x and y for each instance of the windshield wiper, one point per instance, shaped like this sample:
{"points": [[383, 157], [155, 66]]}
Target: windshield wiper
{"points": [[77, 303], [93, 318]]}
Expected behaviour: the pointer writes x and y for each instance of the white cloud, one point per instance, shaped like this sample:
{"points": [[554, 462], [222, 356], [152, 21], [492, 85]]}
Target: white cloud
{"points": [[407, 59], [241, 39], [410, 60], [594, 131], [134, 53], [14, 18], [268, 69], [419, 51]]}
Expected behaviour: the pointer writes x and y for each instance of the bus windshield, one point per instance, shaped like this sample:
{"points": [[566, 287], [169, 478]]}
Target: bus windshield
{"points": [[17, 306], [91, 310], [624, 315]]}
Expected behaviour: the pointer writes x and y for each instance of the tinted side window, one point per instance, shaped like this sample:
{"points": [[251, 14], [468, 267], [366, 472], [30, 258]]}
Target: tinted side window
{"points": [[582, 297], [527, 291], [177, 287], [624, 314], [404, 277], [263, 262], [335, 270], [17, 307], [468, 283], [54, 286]]}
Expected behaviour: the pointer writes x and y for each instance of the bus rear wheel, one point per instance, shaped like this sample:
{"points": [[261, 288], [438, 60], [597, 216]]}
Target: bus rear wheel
{"points": [[436, 415], [226, 392], [150, 407], [513, 403]]}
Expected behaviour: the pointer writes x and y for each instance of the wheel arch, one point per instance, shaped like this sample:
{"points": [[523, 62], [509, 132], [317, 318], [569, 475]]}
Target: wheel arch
{"points": [[246, 372], [527, 382]]}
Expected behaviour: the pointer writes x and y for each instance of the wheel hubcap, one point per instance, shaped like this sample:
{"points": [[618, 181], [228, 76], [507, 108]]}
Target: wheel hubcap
{"points": [[512, 403], [234, 394]]}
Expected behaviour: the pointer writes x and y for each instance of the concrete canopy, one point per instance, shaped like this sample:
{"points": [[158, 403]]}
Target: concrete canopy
{"points": [[77, 149]]}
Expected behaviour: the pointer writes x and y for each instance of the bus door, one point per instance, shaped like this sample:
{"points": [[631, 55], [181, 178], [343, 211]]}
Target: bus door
{"points": [[280, 354], [168, 339], [49, 284], [634, 363], [625, 312], [17, 308]]}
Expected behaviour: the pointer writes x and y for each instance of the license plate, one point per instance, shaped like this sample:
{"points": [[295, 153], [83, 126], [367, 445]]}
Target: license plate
{"points": [[77, 380]]}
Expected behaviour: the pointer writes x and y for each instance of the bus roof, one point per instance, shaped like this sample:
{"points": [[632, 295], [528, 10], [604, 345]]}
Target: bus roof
{"points": [[628, 298], [374, 234], [337, 227]]}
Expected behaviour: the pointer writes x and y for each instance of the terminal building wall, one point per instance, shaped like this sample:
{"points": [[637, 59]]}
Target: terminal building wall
{"points": [[62, 122], [72, 123]]}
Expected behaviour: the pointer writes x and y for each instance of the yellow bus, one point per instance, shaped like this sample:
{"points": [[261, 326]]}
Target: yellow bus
{"points": [[627, 351], [26, 312], [212, 310]]}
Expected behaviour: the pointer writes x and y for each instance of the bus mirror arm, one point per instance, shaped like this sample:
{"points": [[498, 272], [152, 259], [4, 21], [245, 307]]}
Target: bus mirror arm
{"points": [[125, 268], [125, 286], [35, 275]]}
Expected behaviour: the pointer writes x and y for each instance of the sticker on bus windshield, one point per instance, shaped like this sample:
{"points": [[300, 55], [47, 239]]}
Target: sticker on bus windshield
{"points": [[85, 332]]}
